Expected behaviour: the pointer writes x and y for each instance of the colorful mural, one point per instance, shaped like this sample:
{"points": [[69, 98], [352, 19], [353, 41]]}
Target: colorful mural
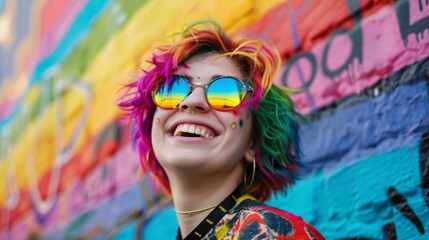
{"points": [[68, 168]]}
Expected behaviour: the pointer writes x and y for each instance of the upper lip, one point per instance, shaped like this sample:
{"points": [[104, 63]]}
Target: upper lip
{"points": [[193, 122]]}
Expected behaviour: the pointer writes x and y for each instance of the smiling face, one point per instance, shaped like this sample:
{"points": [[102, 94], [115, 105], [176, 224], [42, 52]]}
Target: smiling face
{"points": [[196, 138]]}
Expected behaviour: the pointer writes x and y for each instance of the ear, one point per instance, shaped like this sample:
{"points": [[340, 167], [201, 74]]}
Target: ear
{"points": [[250, 153]]}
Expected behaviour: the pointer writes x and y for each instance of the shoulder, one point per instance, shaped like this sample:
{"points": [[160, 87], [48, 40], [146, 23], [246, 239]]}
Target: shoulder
{"points": [[256, 220]]}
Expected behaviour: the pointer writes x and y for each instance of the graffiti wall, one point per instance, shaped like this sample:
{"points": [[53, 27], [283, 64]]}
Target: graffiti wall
{"points": [[68, 170]]}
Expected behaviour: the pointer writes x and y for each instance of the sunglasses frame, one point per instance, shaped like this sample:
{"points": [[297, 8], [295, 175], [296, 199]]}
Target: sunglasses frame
{"points": [[191, 86]]}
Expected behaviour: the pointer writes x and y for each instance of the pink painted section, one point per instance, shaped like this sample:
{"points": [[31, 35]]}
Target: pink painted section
{"points": [[52, 13], [383, 53], [20, 230], [6, 108], [56, 18], [109, 179]]}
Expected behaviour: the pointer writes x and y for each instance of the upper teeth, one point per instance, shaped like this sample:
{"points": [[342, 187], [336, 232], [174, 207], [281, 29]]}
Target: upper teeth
{"points": [[194, 129]]}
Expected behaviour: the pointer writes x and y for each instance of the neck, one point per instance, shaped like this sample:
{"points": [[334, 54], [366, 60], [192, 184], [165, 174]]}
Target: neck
{"points": [[194, 199]]}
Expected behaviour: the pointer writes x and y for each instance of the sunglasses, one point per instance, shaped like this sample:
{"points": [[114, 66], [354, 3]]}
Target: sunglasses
{"points": [[222, 93]]}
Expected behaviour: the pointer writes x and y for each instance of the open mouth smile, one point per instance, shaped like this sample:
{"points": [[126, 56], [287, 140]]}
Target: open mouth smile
{"points": [[192, 130]]}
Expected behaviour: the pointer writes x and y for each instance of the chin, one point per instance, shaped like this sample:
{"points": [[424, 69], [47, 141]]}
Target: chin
{"points": [[186, 160]]}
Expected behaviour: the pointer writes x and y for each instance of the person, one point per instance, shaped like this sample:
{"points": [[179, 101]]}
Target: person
{"points": [[218, 134]]}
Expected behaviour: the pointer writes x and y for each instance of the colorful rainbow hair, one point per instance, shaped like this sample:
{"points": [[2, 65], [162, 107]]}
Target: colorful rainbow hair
{"points": [[275, 124]]}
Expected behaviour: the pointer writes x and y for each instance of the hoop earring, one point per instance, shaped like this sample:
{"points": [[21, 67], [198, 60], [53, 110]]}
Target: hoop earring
{"points": [[253, 175]]}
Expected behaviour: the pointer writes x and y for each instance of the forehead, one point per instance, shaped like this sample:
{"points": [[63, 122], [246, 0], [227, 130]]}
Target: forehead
{"points": [[203, 68]]}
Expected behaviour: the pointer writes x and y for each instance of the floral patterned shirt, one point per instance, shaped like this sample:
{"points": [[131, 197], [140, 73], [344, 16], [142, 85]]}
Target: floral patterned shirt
{"points": [[249, 219]]}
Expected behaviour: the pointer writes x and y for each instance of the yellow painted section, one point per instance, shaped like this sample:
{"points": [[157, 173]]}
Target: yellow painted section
{"points": [[114, 66]]}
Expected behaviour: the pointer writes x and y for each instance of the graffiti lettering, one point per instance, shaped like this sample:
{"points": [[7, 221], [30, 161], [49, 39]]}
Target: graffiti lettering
{"points": [[389, 231], [356, 48], [294, 62], [406, 27], [400, 202], [356, 52], [63, 151], [344, 51]]}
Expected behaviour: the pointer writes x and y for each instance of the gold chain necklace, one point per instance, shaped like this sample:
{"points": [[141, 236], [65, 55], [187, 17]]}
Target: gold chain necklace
{"points": [[193, 212]]}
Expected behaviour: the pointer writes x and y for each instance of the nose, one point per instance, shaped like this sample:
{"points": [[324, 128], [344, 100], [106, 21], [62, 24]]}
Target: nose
{"points": [[195, 102]]}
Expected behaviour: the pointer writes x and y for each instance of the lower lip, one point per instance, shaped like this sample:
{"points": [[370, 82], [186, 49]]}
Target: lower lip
{"points": [[191, 139]]}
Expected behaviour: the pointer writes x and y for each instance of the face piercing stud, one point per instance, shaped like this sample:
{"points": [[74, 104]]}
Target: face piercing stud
{"points": [[156, 120], [233, 125]]}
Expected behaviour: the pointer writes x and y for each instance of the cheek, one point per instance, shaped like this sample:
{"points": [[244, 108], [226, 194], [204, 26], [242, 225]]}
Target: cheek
{"points": [[157, 132], [161, 116], [156, 119], [159, 119], [240, 118]]}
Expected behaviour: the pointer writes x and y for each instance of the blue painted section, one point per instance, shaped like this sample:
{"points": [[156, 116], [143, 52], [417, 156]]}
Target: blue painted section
{"points": [[126, 232], [81, 26], [351, 201], [162, 225], [1, 6], [391, 121]]}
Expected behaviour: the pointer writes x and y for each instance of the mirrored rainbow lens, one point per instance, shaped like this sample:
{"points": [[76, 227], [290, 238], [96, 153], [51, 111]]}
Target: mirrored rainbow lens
{"points": [[169, 96], [225, 93]]}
